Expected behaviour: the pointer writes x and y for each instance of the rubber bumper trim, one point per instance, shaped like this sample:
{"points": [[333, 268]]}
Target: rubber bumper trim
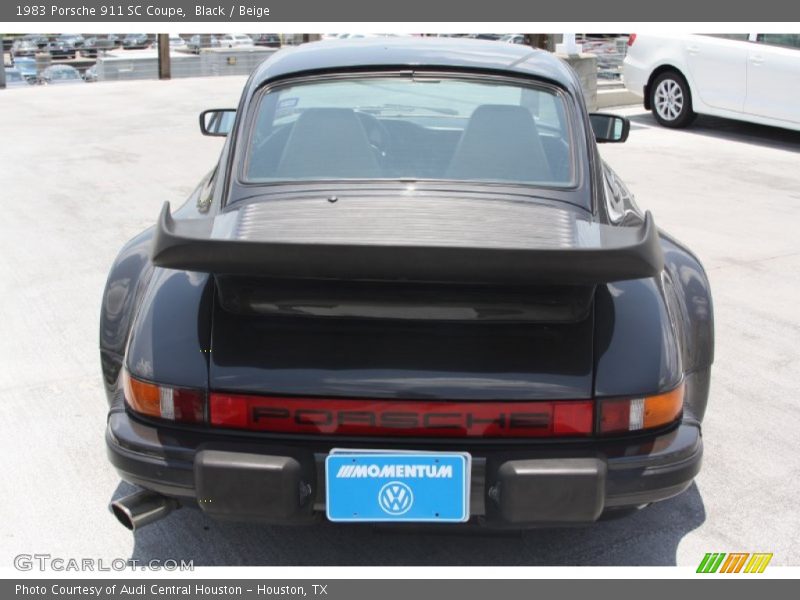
{"points": [[628, 473], [566, 490]]}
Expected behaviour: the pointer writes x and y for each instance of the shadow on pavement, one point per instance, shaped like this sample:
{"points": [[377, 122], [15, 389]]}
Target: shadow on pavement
{"points": [[649, 537], [737, 131]]}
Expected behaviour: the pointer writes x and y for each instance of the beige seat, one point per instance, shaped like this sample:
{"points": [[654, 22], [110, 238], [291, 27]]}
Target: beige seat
{"points": [[328, 143], [500, 143]]}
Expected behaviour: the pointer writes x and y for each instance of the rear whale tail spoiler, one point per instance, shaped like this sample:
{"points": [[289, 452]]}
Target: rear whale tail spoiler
{"points": [[620, 253]]}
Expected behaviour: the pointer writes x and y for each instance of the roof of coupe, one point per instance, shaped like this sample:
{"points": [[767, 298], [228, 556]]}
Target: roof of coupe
{"points": [[416, 52]]}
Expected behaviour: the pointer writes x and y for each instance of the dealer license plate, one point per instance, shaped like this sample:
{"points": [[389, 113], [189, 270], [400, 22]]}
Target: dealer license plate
{"points": [[377, 485]]}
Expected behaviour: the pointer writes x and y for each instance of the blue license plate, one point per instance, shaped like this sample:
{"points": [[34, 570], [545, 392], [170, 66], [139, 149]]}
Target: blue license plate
{"points": [[397, 486]]}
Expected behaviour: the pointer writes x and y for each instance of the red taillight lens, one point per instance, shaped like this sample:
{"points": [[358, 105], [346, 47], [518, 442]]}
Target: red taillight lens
{"points": [[615, 415], [633, 414], [163, 402], [631, 39], [402, 417]]}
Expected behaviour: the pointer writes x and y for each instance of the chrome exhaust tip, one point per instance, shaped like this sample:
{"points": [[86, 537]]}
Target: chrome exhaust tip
{"points": [[142, 508]]}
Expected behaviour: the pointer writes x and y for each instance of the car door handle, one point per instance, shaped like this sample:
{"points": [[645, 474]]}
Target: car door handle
{"points": [[693, 49], [756, 59]]}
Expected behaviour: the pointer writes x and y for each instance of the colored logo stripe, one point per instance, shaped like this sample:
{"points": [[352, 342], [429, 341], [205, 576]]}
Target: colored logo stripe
{"points": [[713, 562], [734, 562], [758, 563]]}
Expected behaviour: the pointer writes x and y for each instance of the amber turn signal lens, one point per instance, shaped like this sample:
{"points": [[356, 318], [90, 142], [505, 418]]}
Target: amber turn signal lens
{"points": [[164, 402], [664, 408], [618, 415], [143, 398]]}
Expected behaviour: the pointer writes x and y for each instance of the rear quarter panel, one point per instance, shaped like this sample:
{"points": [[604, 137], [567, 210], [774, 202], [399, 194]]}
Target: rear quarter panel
{"points": [[129, 281], [170, 335], [126, 284], [636, 347], [688, 294]]}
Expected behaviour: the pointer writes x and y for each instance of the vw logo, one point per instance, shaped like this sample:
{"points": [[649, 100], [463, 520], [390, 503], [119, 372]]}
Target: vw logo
{"points": [[395, 498]]}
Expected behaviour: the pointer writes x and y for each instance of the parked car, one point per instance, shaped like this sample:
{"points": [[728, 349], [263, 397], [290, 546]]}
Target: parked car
{"points": [[359, 36], [135, 41], [90, 74], [60, 49], [750, 77], [486, 36], [23, 47], [513, 38], [235, 40], [27, 67], [58, 74], [92, 46], [109, 40], [176, 42], [39, 39], [75, 40], [270, 40], [195, 43], [14, 77], [411, 291]]}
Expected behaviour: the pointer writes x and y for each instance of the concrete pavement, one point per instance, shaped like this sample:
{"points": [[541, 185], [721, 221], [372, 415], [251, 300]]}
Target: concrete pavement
{"points": [[85, 167]]}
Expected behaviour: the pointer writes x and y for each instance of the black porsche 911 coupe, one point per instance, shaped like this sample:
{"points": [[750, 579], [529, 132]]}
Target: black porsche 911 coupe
{"points": [[410, 291]]}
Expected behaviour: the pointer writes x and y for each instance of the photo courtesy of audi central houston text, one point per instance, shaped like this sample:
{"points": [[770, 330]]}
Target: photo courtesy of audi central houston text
{"points": [[410, 291]]}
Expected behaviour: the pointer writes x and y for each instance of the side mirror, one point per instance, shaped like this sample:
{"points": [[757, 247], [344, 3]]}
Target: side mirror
{"points": [[609, 128], [217, 121]]}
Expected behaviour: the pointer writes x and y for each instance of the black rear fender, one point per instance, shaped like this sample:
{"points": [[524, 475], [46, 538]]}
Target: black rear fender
{"points": [[636, 349], [689, 293], [169, 339], [125, 286]]}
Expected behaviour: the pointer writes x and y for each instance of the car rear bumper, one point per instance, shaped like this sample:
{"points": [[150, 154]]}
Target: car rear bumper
{"points": [[635, 75], [243, 477]]}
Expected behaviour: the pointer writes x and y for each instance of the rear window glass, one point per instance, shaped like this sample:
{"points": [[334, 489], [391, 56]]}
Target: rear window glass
{"points": [[737, 37], [789, 40], [412, 129]]}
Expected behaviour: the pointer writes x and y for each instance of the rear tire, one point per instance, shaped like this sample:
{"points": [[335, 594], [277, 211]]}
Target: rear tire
{"points": [[671, 100]]}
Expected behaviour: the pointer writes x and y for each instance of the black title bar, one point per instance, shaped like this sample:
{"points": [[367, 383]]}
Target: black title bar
{"points": [[443, 11], [398, 589]]}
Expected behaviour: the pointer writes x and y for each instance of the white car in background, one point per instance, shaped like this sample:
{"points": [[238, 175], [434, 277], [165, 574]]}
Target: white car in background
{"points": [[176, 42], [513, 38], [236, 40], [751, 77]]}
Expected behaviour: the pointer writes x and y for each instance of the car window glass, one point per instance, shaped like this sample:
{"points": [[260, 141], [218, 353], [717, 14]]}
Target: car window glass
{"points": [[789, 40], [61, 74], [412, 128], [739, 37]]}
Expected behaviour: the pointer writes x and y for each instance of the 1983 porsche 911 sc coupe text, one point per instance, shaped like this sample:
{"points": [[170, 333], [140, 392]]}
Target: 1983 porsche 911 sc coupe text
{"points": [[410, 291]]}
